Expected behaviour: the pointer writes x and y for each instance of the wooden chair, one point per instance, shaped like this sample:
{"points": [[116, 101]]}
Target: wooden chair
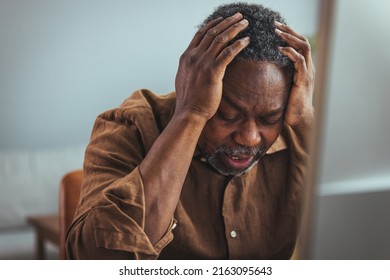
{"points": [[52, 227], [47, 229], [70, 188]]}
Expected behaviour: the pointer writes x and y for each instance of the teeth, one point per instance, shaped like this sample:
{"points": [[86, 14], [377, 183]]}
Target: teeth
{"points": [[235, 158]]}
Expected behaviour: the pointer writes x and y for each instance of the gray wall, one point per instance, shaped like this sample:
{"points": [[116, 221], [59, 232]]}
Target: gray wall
{"points": [[353, 226], [356, 153]]}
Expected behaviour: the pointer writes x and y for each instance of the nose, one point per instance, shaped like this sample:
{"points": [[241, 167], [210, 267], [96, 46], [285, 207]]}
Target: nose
{"points": [[247, 134]]}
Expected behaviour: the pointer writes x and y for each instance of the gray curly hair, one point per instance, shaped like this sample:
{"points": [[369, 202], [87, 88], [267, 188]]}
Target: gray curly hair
{"points": [[263, 40]]}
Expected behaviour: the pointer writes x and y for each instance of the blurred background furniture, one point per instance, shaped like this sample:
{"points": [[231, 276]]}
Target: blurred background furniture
{"points": [[52, 228], [46, 230], [70, 189], [29, 186]]}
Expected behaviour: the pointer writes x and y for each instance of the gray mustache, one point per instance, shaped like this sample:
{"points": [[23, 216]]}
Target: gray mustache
{"points": [[241, 150]]}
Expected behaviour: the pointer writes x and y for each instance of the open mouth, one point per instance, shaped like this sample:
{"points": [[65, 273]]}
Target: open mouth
{"points": [[238, 161], [235, 161]]}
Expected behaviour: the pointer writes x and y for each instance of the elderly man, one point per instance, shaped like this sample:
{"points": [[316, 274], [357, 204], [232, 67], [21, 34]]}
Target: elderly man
{"points": [[215, 169]]}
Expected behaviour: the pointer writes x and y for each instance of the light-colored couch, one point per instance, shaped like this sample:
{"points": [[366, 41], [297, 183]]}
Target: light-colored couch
{"points": [[29, 184]]}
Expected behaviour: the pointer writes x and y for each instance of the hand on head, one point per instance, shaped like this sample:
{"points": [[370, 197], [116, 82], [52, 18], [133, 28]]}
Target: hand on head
{"points": [[300, 104], [203, 65]]}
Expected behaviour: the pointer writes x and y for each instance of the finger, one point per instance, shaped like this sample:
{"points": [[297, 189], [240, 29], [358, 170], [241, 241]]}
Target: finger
{"points": [[303, 76], [297, 58], [202, 31], [222, 40], [295, 40], [216, 30], [229, 53], [301, 46], [289, 30]]}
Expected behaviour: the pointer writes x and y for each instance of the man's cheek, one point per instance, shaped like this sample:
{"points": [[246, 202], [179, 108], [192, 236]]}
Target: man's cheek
{"points": [[208, 147]]}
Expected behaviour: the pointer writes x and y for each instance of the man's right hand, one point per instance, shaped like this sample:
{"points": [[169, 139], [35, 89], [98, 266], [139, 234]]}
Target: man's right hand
{"points": [[202, 66]]}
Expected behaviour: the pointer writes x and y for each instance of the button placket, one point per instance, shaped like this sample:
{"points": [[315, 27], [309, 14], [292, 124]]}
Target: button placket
{"points": [[230, 218]]}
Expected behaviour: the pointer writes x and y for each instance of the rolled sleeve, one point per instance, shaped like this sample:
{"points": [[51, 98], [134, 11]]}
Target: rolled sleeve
{"points": [[114, 228], [110, 219]]}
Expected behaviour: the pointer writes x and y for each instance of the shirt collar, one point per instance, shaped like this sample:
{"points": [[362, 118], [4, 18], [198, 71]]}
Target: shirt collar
{"points": [[278, 145]]}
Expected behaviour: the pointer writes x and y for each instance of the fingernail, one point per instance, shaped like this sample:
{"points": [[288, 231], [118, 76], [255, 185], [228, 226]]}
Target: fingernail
{"points": [[278, 23], [277, 31], [244, 21], [246, 39], [238, 15]]}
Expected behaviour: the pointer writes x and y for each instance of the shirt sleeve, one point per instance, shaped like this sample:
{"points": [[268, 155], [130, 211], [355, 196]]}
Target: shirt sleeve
{"points": [[298, 165], [109, 222]]}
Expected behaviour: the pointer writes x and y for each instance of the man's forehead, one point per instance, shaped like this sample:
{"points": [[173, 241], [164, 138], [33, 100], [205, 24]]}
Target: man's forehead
{"points": [[250, 81]]}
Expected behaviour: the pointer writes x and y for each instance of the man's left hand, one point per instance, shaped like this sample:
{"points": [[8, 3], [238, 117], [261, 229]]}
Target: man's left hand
{"points": [[300, 109]]}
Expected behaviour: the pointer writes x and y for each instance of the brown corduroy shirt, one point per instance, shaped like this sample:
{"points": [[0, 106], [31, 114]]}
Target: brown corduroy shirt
{"points": [[252, 216]]}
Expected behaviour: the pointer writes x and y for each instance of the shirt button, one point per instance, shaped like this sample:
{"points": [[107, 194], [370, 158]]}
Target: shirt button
{"points": [[233, 234], [203, 159]]}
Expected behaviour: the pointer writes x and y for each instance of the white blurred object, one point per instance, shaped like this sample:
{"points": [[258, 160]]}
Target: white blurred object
{"points": [[29, 181]]}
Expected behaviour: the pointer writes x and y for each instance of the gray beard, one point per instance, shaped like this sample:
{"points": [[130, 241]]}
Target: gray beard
{"points": [[215, 162]]}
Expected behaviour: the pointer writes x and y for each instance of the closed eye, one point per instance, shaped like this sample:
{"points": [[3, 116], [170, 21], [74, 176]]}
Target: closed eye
{"points": [[271, 120], [228, 117]]}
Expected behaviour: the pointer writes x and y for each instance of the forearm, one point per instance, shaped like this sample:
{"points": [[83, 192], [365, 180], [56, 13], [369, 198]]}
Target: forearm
{"points": [[164, 169], [302, 127], [300, 112]]}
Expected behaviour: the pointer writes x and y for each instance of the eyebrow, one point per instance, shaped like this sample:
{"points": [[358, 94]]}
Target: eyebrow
{"points": [[267, 114], [275, 112], [232, 104]]}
